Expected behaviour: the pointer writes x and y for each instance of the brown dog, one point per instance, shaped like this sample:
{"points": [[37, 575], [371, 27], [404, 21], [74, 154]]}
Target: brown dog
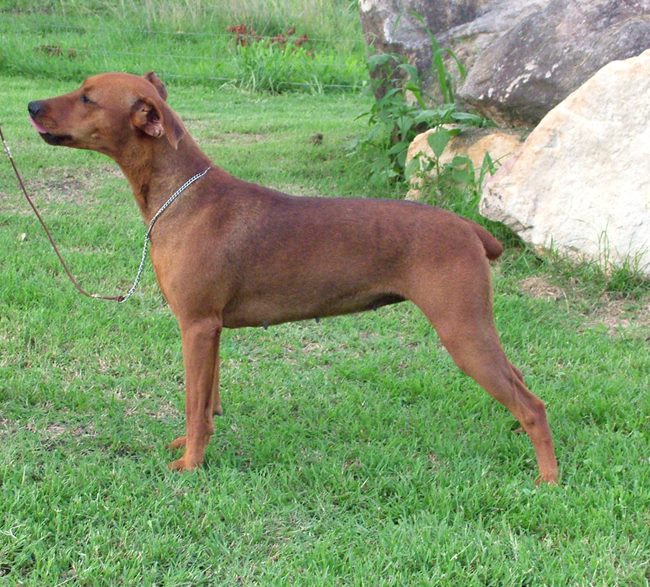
{"points": [[230, 253]]}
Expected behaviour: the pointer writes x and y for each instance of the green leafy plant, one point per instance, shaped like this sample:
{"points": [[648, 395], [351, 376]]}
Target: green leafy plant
{"points": [[443, 75], [400, 113], [450, 183]]}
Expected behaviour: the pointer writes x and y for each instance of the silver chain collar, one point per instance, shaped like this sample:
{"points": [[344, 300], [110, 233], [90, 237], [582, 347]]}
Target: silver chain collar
{"points": [[147, 237]]}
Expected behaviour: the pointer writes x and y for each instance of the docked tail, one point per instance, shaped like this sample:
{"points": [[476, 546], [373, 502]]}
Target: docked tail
{"points": [[493, 248]]}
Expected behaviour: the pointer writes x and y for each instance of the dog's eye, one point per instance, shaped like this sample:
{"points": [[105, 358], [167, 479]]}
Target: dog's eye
{"points": [[85, 99]]}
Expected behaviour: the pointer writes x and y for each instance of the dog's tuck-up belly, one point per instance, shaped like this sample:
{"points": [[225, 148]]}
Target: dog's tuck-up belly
{"points": [[291, 305]]}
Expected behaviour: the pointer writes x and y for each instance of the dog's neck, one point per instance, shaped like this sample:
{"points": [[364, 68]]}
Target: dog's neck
{"points": [[155, 170]]}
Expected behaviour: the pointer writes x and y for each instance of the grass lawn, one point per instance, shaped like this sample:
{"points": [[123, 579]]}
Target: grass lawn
{"points": [[351, 452], [188, 41]]}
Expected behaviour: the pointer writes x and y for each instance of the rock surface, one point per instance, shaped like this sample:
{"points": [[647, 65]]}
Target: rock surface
{"points": [[465, 27], [581, 182], [491, 21], [531, 68]]}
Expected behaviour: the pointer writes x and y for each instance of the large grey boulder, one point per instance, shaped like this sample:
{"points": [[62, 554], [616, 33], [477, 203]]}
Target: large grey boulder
{"points": [[465, 27], [581, 182], [491, 21], [536, 64]]}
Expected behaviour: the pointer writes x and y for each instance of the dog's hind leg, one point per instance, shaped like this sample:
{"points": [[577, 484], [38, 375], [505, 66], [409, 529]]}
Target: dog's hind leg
{"points": [[461, 312], [217, 410]]}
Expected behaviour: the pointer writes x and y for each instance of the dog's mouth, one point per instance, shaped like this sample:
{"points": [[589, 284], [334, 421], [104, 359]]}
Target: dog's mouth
{"points": [[47, 136]]}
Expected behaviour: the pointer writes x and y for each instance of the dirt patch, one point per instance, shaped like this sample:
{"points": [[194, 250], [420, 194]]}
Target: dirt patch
{"points": [[51, 435], [298, 190], [59, 185], [620, 314], [614, 314], [71, 185], [7, 426], [538, 288], [207, 132], [54, 430], [165, 412], [229, 138]]}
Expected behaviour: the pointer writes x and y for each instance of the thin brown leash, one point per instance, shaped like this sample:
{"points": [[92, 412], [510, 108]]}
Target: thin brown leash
{"points": [[81, 290], [77, 285]]}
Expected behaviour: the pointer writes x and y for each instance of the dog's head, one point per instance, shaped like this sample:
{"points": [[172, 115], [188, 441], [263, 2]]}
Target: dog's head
{"points": [[108, 112]]}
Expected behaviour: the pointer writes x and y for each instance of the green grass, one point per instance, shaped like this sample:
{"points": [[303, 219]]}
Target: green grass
{"points": [[72, 39], [352, 452]]}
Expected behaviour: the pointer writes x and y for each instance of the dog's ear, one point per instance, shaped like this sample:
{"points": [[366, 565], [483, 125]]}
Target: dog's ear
{"points": [[154, 118], [154, 80]]}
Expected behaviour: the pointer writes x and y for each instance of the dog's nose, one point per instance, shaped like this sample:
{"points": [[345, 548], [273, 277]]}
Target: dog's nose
{"points": [[34, 108]]}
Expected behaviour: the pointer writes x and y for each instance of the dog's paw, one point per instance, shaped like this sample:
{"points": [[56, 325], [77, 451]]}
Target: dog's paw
{"points": [[182, 465], [178, 443], [546, 480]]}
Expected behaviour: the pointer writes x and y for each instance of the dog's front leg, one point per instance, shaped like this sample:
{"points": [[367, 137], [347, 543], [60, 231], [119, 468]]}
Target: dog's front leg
{"points": [[200, 350]]}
